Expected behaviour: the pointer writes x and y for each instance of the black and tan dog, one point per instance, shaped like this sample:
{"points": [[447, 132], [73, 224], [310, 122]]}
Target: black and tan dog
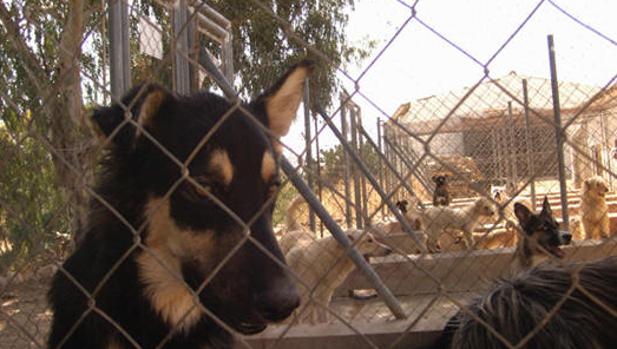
{"points": [[188, 277], [539, 236], [441, 195]]}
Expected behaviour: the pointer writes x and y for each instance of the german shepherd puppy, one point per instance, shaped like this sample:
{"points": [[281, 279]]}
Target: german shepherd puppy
{"points": [[541, 237], [180, 251]]}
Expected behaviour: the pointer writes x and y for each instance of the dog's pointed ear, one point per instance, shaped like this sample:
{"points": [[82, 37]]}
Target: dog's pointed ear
{"points": [[523, 214], [142, 104], [282, 100], [546, 208]]}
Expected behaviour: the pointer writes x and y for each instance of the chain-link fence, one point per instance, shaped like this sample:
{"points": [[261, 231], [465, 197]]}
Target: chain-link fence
{"points": [[158, 212]]}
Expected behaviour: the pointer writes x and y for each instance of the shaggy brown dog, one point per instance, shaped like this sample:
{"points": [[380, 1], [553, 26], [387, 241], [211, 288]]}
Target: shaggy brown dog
{"points": [[552, 306], [594, 211]]}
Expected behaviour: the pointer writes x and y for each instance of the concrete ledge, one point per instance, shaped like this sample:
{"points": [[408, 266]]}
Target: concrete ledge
{"points": [[337, 335], [459, 271]]}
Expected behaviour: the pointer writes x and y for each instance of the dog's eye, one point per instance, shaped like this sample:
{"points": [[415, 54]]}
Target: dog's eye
{"points": [[275, 184], [199, 190]]}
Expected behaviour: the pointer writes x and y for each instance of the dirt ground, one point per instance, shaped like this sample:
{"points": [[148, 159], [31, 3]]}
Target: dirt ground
{"points": [[24, 315]]}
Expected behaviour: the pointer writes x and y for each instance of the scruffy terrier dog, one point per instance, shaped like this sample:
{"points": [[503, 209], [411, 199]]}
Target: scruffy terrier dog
{"points": [[168, 261], [527, 312], [594, 211], [441, 195], [435, 219]]}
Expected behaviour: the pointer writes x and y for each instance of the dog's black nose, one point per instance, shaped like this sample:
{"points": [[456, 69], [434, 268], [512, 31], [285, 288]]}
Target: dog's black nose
{"points": [[566, 237], [278, 301]]}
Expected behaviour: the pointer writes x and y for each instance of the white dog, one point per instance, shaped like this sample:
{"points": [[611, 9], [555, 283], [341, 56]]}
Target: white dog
{"points": [[436, 219]]}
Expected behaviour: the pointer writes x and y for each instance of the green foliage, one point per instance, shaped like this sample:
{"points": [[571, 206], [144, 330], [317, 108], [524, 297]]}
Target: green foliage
{"points": [[287, 193], [31, 208], [263, 49], [333, 164]]}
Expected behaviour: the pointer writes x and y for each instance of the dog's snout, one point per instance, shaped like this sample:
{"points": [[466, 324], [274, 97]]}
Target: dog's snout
{"points": [[278, 301], [566, 237], [387, 251]]}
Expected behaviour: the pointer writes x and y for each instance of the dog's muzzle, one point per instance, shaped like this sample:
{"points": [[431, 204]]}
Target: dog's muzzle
{"points": [[565, 237]]}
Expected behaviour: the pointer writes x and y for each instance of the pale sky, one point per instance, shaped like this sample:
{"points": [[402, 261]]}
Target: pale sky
{"points": [[419, 63]]}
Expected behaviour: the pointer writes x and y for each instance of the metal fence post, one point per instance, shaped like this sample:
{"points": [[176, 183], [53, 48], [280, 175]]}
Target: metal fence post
{"points": [[528, 140], [513, 148], [357, 195], [119, 51], [318, 171], [381, 152], [310, 178], [346, 164], [365, 200], [558, 132], [182, 80]]}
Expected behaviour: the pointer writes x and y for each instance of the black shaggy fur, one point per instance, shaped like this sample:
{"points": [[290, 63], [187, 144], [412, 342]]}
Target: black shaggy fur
{"points": [[515, 307], [248, 292]]}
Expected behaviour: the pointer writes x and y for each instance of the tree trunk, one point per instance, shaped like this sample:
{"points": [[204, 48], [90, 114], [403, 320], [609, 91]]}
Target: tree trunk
{"points": [[73, 158]]}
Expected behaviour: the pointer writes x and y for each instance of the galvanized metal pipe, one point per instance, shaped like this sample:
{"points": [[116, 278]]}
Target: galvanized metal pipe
{"points": [[380, 152], [119, 52], [182, 82], [308, 147], [357, 195], [559, 136], [346, 163], [529, 146]]}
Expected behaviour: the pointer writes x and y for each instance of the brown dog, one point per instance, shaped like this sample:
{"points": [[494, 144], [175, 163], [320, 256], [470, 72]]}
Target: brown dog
{"points": [[594, 211]]}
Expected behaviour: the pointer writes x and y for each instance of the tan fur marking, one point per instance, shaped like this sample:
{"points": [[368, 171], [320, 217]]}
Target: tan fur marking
{"points": [[268, 166], [113, 344], [150, 107], [159, 268], [283, 104], [220, 163]]}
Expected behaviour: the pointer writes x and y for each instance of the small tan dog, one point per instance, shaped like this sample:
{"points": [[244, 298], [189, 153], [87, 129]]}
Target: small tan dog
{"points": [[593, 210], [436, 219], [323, 265]]}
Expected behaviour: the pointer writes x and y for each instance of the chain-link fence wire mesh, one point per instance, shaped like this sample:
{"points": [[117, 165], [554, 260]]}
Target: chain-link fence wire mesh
{"points": [[486, 137]]}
